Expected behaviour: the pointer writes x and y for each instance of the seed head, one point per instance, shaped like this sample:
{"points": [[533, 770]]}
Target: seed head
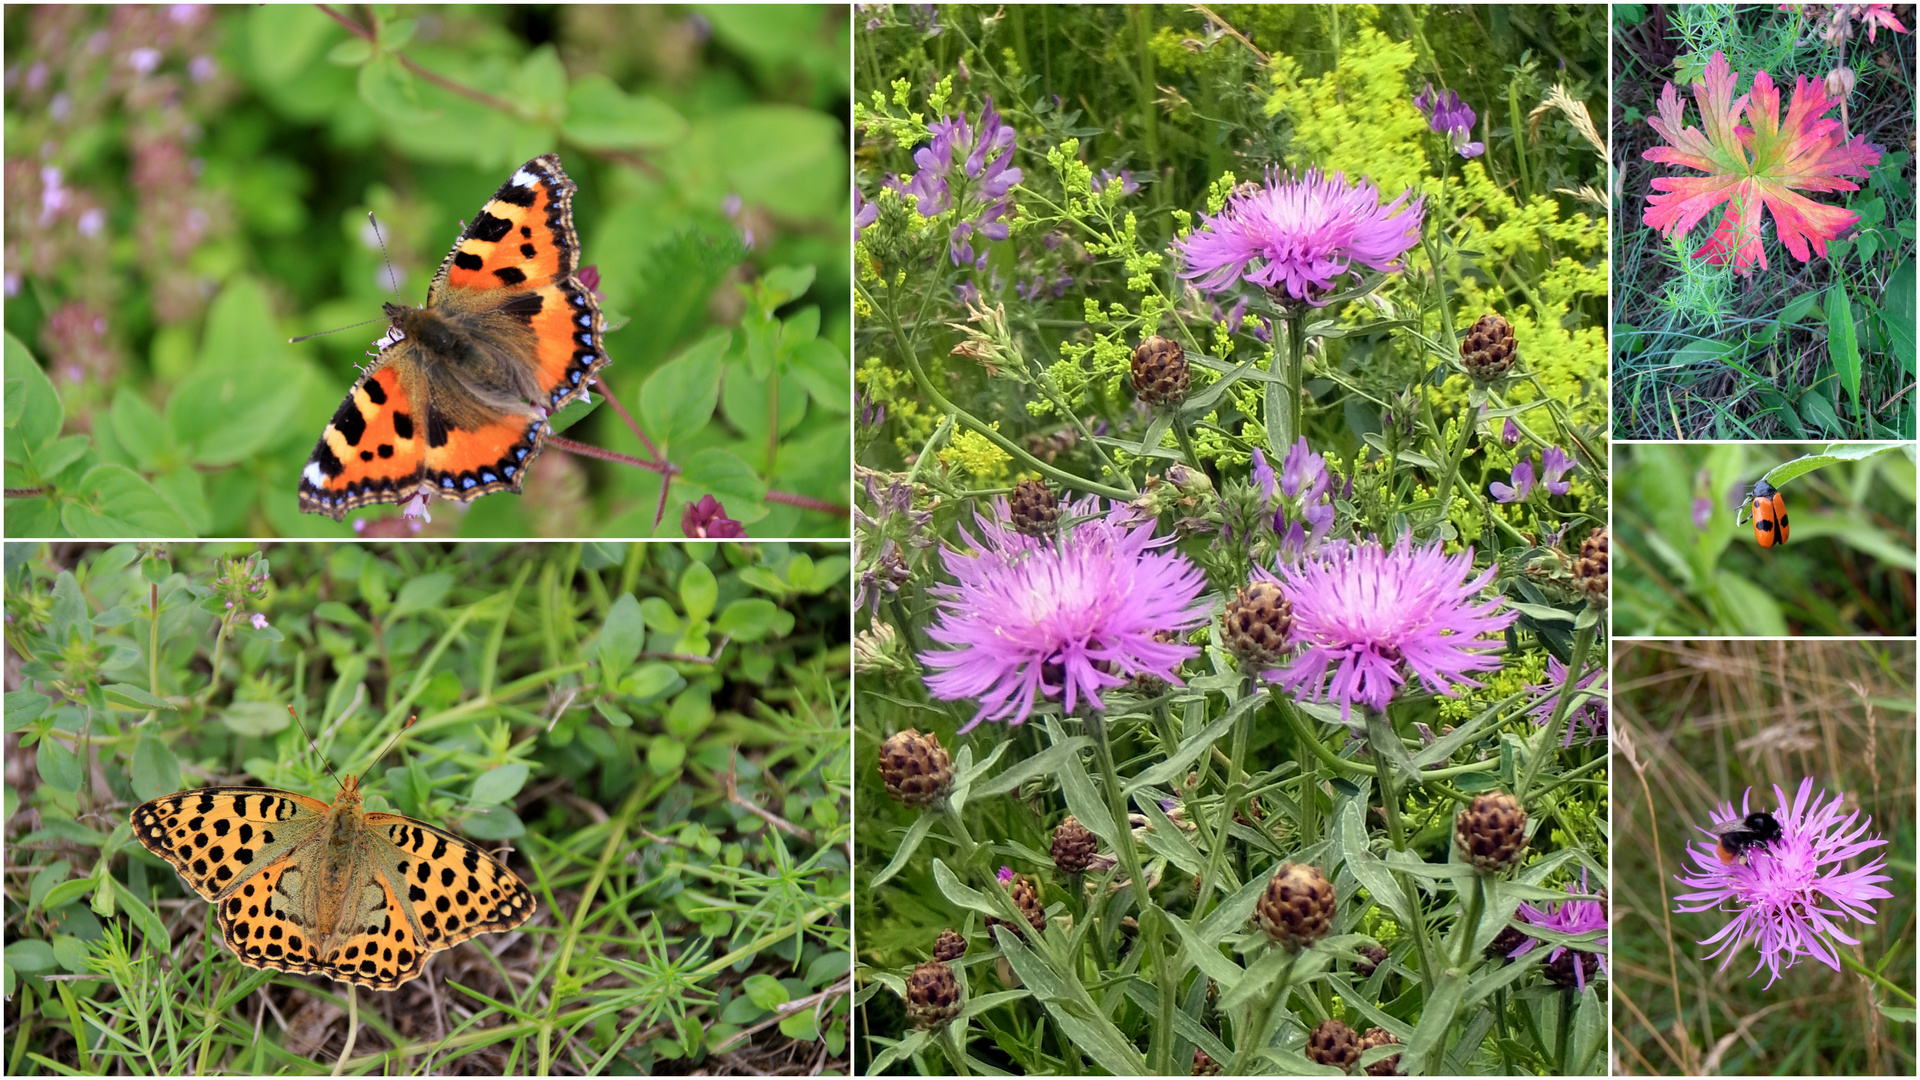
{"points": [[1492, 831], [1488, 352], [933, 997], [1297, 908], [1033, 508], [1073, 846], [1333, 1043], [916, 768], [1590, 569], [1160, 372], [1027, 899], [949, 945], [1259, 618], [1372, 956], [1380, 1037]]}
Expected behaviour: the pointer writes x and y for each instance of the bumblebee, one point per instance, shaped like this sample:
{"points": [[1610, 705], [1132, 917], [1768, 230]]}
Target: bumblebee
{"points": [[1737, 838]]}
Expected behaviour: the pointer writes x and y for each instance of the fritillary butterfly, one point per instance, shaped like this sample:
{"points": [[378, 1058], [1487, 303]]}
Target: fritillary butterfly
{"points": [[301, 886]]}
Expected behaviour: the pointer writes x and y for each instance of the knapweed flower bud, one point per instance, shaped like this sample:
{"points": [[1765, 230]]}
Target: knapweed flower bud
{"points": [[1204, 1065], [1560, 968], [1073, 846], [1033, 509], [1258, 621], [1160, 372], [1297, 908], [949, 945], [1027, 899], [1371, 957], [1590, 569], [933, 996], [1488, 352], [1387, 1066], [1491, 831], [1333, 1043], [916, 768]]}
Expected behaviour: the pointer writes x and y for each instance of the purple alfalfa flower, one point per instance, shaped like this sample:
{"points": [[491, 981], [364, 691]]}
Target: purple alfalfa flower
{"points": [[1581, 913], [1374, 616], [1107, 178], [1789, 897], [864, 213], [1554, 466], [1702, 513], [1300, 497], [984, 159], [1060, 618], [1452, 117], [1518, 490], [1589, 716], [1297, 236], [1510, 433]]}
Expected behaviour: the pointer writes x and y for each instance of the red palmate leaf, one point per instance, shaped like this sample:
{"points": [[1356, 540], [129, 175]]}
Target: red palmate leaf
{"points": [[1756, 165]]}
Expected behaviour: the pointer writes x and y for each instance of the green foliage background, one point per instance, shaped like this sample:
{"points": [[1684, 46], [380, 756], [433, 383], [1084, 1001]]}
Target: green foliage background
{"points": [[184, 193], [564, 705]]}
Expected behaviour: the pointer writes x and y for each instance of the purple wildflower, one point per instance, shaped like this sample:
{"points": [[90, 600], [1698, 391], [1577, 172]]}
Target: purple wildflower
{"points": [[990, 178], [1299, 235], [1005, 875], [1788, 897], [1702, 513], [1580, 913], [707, 519], [259, 621], [1521, 486], [864, 213], [1067, 618], [1510, 433], [1106, 179], [1554, 466], [1302, 495], [1591, 715], [1449, 116], [1373, 615]]}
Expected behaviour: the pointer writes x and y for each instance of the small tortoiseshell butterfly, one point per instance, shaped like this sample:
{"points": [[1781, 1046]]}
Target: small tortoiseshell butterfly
{"points": [[457, 404]]}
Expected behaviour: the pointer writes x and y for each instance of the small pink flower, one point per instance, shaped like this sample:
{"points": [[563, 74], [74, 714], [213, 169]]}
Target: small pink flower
{"points": [[259, 621]]}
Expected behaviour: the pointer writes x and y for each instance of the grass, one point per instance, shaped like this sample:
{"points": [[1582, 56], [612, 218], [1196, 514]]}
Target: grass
{"points": [[1820, 349], [1696, 724], [657, 733]]}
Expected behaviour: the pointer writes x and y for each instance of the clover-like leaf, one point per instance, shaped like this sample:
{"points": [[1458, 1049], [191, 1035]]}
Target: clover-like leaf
{"points": [[1763, 163]]}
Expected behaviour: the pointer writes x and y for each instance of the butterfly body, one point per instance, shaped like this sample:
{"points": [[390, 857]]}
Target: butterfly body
{"points": [[457, 404], [302, 886]]}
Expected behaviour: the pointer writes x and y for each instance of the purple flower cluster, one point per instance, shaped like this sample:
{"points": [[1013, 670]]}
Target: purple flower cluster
{"points": [[982, 157], [1373, 615], [1579, 914], [1554, 466], [1788, 897], [1449, 116], [1067, 618], [1591, 716], [1299, 235], [1302, 498]]}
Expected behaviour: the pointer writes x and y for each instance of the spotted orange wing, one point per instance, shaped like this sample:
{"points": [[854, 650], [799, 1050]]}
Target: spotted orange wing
{"points": [[457, 404]]}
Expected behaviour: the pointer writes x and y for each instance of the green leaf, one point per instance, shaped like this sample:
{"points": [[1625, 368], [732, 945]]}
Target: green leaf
{"points": [[678, 398], [497, 785], [156, 771], [59, 766], [133, 696], [621, 638], [699, 591], [423, 593], [34, 414], [651, 680], [1842, 349], [224, 414], [910, 843], [665, 755], [256, 718], [387, 88], [754, 619], [23, 707], [1898, 315], [141, 430], [724, 475], [766, 991], [602, 116]]}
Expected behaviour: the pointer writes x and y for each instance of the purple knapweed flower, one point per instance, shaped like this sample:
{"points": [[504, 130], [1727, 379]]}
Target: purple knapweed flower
{"points": [[1590, 715], [1789, 896], [1299, 235], [1554, 466], [1374, 615], [988, 178], [1064, 618], [1579, 914], [1521, 486], [1005, 875], [1449, 116]]}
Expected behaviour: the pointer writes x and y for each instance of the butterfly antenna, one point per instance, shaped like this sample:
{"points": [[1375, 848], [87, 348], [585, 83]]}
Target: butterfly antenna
{"points": [[393, 280], [335, 330], [314, 746], [394, 739]]}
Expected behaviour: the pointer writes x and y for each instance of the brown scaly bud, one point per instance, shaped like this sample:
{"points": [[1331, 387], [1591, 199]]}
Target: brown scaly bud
{"points": [[1590, 569], [1488, 353], [1073, 846], [1033, 508], [1027, 899], [1160, 373], [1147, 684], [1333, 1043], [1258, 621], [916, 768], [1560, 971], [1372, 956], [1508, 939], [949, 945], [1204, 1065], [1387, 1066], [1492, 831], [1297, 908], [933, 997]]}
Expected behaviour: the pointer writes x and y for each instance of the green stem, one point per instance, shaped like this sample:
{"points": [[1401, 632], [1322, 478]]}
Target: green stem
{"points": [[956, 1051], [968, 849], [1878, 979], [1254, 1039], [1378, 730], [1217, 849], [1476, 902], [1160, 1044], [1283, 397], [1549, 735]]}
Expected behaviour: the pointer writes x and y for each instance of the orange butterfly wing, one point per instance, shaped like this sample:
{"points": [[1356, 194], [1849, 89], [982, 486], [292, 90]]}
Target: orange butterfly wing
{"points": [[428, 418]]}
